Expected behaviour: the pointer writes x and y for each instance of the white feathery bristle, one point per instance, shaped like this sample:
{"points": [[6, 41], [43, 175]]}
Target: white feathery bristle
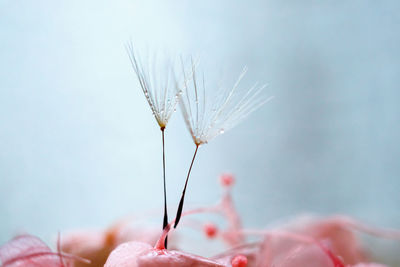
{"points": [[158, 82], [207, 116]]}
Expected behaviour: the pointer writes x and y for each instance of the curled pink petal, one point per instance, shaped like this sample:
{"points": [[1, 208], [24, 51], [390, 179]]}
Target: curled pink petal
{"points": [[28, 250]]}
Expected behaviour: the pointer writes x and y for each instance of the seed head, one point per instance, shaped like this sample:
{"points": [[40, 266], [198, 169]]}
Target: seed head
{"points": [[209, 115], [158, 82]]}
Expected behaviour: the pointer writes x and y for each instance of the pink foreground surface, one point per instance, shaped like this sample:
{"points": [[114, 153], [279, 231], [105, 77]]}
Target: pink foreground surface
{"points": [[312, 242]]}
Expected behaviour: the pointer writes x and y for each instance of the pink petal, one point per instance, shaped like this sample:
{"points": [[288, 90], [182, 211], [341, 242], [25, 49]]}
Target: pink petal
{"points": [[27, 250], [342, 240], [369, 265], [136, 254]]}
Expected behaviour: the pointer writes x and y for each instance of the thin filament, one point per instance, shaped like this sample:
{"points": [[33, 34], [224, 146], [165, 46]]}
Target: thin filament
{"points": [[165, 220], [180, 207]]}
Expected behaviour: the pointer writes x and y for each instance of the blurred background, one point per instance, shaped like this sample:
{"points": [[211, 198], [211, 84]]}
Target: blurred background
{"points": [[80, 148]]}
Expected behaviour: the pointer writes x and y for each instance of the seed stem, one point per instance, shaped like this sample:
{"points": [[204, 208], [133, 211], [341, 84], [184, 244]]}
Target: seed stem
{"points": [[180, 207], [165, 220]]}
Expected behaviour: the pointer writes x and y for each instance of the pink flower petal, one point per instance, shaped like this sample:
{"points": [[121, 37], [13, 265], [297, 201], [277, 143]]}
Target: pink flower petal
{"points": [[136, 254], [27, 250]]}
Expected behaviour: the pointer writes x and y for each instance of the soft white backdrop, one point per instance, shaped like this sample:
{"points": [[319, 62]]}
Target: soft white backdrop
{"points": [[79, 147]]}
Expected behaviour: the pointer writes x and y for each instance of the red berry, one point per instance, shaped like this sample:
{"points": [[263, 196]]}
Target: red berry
{"points": [[210, 230], [239, 261], [227, 179]]}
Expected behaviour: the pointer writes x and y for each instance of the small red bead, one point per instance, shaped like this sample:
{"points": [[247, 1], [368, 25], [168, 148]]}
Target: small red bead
{"points": [[239, 261], [227, 179], [210, 230]]}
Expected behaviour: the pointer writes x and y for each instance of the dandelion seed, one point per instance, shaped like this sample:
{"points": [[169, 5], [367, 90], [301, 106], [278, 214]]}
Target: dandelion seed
{"points": [[158, 82], [207, 116]]}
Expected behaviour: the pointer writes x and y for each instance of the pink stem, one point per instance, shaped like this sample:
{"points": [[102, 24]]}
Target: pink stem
{"points": [[161, 241]]}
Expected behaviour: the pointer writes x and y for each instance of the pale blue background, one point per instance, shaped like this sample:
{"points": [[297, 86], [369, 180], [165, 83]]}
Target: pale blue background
{"points": [[79, 147]]}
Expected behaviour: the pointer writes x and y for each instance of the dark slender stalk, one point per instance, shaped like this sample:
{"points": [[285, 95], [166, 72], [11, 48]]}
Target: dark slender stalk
{"points": [[165, 220], [180, 207]]}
